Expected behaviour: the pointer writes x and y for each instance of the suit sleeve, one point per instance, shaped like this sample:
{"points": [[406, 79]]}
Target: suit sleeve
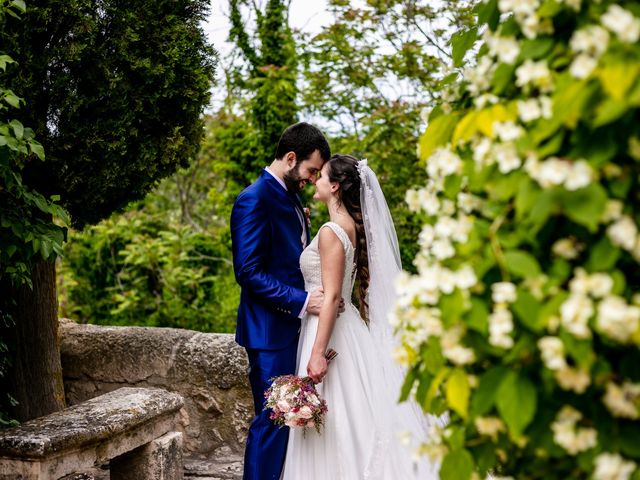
{"points": [[250, 242]]}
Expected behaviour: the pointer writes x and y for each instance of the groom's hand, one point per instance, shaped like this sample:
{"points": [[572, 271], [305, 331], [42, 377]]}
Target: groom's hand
{"points": [[315, 301]]}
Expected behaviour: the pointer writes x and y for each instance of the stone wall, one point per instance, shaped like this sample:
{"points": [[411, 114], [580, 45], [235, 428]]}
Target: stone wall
{"points": [[209, 370]]}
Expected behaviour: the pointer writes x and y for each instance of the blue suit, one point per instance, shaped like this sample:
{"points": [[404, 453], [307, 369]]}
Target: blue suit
{"points": [[266, 235]]}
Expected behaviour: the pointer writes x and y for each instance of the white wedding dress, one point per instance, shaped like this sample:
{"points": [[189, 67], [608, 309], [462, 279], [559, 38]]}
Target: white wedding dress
{"points": [[360, 436]]}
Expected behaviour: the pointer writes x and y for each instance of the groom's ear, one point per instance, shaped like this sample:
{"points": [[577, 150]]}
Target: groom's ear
{"points": [[290, 159]]}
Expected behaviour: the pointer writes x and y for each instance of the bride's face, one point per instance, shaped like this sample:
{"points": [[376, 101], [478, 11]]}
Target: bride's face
{"points": [[325, 189]]}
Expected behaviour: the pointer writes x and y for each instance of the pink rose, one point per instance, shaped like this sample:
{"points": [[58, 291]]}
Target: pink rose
{"points": [[283, 406], [305, 412]]}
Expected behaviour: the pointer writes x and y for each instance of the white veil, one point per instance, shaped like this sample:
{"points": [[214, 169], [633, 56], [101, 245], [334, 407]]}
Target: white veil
{"points": [[384, 267]]}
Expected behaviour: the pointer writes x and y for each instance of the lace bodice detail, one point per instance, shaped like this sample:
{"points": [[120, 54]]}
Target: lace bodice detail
{"points": [[310, 262]]}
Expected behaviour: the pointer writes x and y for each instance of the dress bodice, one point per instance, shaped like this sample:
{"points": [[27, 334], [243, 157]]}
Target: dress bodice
{"points": [[311, 268]]}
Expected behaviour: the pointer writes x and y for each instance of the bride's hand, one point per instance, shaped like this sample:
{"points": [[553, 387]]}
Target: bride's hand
{"points": [[317, 367]]}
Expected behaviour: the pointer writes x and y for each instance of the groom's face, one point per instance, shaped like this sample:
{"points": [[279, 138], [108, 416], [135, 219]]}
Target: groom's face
{"points": [[302, 173]]}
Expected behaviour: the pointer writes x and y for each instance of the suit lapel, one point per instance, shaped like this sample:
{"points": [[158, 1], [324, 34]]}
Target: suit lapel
{"points": [[293, 198]]}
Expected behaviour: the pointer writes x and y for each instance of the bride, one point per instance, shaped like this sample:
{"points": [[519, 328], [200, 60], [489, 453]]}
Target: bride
{"points": [[360, 437]]}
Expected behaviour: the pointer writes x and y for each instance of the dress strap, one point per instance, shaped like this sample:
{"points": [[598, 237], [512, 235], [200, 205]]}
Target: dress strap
{"points": [[341, 234]]}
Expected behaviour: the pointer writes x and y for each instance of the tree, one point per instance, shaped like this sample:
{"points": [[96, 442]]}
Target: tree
{"points": [[524, 320], [116, 91], [268, 74], [32, 231]]}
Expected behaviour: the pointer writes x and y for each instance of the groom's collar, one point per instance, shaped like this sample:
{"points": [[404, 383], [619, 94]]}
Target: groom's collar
{"points": [[278, 179]]}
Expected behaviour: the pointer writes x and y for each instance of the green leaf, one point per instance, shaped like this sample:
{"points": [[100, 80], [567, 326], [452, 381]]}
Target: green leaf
{"points": [[438, 133], [37, 149], [488, 13], [609, 111], [457, 465], [617, 78], [516, 402], [457, 392], [536, 48], [485, 396], [550, 8], [527, 309], [586, 205], [522, 264], [19, 4], [569, 103], [409, 380], [502, 78], [5, 60], [603, 256], [461, 42], [477, 318], [18, 129]]}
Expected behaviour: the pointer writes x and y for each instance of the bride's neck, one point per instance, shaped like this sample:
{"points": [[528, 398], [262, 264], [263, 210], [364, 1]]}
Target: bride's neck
{"points": [[337, 212]]}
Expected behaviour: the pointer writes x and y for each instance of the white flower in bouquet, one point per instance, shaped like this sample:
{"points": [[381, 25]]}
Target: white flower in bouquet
{"points": [[622, 401], [611, 466], [622, 22]]}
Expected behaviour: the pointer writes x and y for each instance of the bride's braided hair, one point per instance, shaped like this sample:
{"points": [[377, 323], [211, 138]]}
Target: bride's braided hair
{"points": [[343, 169]]}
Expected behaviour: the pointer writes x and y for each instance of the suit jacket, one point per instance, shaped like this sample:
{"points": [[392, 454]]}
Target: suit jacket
{"points": [[266, 242]]}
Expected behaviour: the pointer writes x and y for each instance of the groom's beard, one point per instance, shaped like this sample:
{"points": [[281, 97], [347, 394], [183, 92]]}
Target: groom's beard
{"points": [[293, 181]]}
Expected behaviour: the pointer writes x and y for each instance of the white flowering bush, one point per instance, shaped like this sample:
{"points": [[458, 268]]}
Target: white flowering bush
{"points": [[523, 321]]}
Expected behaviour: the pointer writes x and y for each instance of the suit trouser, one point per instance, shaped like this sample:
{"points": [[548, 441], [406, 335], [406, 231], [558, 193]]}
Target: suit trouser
{"points": [[267, 443]]}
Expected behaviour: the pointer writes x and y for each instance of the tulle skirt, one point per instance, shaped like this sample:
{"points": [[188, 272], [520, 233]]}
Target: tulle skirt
{"points": [[360, 438]]}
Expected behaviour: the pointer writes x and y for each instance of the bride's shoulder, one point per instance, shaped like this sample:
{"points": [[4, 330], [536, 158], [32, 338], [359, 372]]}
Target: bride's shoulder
{"points": [[343, 231]]}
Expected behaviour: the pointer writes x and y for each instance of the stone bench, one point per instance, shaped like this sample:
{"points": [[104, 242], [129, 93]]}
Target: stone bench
{"points": [[129, 428]]}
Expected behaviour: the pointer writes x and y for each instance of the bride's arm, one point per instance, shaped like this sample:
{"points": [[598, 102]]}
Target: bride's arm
{"points": [[332, 267]]}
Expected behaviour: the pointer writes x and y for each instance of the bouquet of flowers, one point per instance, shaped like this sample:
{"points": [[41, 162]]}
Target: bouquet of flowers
{"points": [[294, 400]]}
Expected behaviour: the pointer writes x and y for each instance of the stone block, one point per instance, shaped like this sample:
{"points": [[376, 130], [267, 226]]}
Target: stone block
{"points": [[160, 459]]}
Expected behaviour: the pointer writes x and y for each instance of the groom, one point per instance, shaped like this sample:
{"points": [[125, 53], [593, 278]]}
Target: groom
{"points": [[269, 230]]}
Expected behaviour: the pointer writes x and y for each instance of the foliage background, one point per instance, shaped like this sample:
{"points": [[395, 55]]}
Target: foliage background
{"points": [[364, 79]]}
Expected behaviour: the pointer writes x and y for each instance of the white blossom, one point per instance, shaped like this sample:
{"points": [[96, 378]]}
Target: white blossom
{"points": [[500, 327], [489, 426], [611, 466], [617, 319], [623, 232], [507, 157], [623, 400], [575, 313], [582, 66], [570, 437], [507, 131], [592, 40], [481, 148], [574, 379], [465, 278], [506, 49], [503, 292], [535, 74], [443, 162], [612, 211], [566, 248], [622, 22], [552, 352], [580, 175]]}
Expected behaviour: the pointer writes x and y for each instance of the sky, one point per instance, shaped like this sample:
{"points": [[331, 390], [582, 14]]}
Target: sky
{"points": [[306, 15]]}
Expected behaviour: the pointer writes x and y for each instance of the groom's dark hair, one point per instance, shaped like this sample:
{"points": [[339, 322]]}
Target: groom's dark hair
{"points": [[303, 139]]}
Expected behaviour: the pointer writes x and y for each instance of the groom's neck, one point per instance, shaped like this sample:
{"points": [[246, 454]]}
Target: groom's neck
{"points": [[278, 168]]}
